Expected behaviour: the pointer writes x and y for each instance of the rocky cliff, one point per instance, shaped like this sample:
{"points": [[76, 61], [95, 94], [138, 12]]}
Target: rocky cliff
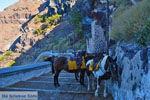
{"points": [[134, 63], [18, 17], [48, 8], [21, 38], [13, 17]]}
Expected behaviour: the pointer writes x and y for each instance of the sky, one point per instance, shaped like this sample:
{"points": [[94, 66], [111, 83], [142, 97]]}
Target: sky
{"points": [[6, 3]]}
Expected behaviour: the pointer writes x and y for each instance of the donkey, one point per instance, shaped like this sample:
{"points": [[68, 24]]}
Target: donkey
{"points": [[62, 63], [88, 57], [76, 54], [107, 68]]}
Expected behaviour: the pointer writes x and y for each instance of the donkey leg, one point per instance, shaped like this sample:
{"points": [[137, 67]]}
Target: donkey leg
{"points": [[57, 78], [76, 76], [56, 83], [89, 82], [98, 86], [93, 82], [105, 89], [82, 77]]}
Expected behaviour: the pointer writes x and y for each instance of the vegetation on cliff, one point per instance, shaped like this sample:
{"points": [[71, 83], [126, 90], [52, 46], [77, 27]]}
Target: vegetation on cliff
{"points": [[143, 36], [7, 57], [128, 22], [47, 22], [74, 40], [76, 21]]}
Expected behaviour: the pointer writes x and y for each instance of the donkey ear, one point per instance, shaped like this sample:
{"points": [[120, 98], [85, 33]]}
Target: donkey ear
{"points": [[115, 59]]}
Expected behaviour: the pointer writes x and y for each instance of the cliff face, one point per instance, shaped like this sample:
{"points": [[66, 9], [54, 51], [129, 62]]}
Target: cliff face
{"points": [[48, 8], [18, 18], [57, 6], [18, 24], [19, 12], [12, 18]]}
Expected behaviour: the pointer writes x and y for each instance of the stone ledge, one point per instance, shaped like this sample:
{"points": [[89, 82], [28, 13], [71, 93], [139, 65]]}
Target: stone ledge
{"points": [[11, 75]]}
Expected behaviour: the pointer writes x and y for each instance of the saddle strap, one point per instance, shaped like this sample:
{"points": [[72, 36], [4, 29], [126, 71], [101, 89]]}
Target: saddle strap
{"points": [[91, 66], [97, 66], [83, 66]]}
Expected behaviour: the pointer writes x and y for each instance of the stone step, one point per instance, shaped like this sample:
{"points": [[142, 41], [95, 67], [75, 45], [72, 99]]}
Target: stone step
{"points": [[50, 86], [50, 91], [71, 96], [62, 95], [61, 74], [60, 77], [64, 83], [70, 89], [51, 79], [76, 83]]}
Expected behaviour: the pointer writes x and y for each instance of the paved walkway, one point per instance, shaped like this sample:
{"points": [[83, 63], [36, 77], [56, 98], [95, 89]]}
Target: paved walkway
{"points": [[70, 89]]}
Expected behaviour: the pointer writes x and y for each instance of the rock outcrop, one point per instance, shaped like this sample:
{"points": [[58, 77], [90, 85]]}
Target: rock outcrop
{"points": [[57, 6], [49, 7], [134, 80], [18, 17], [13, 17]]}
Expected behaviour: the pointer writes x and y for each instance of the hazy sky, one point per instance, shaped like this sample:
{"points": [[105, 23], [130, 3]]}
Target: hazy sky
{"points": [[6, 3]]}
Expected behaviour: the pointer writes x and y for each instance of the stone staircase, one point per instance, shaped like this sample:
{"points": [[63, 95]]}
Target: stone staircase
{"points": [[70, 89]]}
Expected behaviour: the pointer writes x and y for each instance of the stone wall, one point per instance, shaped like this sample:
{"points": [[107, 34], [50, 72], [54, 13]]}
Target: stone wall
{"points": [[134, 61]]}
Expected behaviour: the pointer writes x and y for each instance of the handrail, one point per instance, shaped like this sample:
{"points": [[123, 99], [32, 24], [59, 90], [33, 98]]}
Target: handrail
{"points": [[12, 75], [23, 67]]}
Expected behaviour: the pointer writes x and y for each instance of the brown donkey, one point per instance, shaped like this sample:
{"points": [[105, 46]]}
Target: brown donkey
{"points": [[71, 65]]}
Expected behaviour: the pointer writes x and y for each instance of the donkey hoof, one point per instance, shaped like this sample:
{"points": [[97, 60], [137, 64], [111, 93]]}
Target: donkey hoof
{"points": [[105, 94], [83, 85], [56, 85], [96, 94], [89, 89]]}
